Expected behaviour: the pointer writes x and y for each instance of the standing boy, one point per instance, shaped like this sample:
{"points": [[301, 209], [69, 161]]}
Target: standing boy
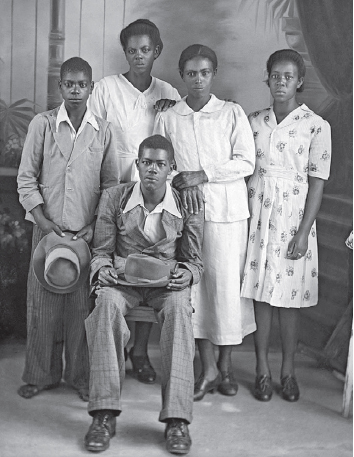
{"points": [[68, 159]]}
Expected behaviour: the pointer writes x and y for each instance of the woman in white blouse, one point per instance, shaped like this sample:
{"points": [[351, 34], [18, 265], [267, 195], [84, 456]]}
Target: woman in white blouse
{"points": [[214, 150], [130, 102]]}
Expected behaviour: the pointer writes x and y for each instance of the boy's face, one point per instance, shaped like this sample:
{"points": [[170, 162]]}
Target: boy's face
{"points": [[75, 88], [154, 166]]}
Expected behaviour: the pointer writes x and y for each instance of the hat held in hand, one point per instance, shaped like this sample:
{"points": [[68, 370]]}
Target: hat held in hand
{"points": [[61, 264], [142, 270]]}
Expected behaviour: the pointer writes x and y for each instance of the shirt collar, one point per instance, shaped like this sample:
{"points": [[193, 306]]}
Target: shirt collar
{"points": [[214, 104], [168, 203], [63, 117]]}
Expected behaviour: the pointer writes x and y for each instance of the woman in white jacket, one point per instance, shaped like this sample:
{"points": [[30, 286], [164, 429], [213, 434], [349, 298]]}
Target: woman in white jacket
{"points": [[214, 150]]}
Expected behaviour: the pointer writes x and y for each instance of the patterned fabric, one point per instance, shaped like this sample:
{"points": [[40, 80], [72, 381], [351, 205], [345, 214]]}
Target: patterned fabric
{"points": [[55, 321], [119, 234], [131, 113], [349, 240], [67, 179], [286, 154], [108, 334]]}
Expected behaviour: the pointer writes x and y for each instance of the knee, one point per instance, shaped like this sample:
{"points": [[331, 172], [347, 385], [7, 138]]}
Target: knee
{"points": [[109, 303]]}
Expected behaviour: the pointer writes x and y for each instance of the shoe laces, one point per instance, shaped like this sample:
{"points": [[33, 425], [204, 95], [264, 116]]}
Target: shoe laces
{"points": [[100, 423], [178, 428], [264, 383], [289, 383]]}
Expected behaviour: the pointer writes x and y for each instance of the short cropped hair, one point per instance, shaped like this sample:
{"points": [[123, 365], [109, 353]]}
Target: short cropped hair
{"points": [[288, 55], [157, 142], [138, 28], [197, 50], [76, 64]]}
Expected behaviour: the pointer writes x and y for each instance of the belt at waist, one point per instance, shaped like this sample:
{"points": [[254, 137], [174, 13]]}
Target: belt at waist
{"points": [[285, 174]]}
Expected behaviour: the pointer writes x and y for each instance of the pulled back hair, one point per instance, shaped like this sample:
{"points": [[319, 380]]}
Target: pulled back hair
{"points": [[138, 28], [76, 64], [197, 50], [288, 55], [157, 142]]}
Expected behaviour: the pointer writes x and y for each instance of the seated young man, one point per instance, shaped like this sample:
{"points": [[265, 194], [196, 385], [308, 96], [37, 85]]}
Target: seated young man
{"points": [[145, 217]]}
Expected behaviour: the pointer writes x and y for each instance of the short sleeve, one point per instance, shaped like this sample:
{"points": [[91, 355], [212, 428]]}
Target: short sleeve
{"points": [[320, 150]]}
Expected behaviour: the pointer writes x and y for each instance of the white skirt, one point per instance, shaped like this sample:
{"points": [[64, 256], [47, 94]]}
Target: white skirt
{"points": [[221, 315]]}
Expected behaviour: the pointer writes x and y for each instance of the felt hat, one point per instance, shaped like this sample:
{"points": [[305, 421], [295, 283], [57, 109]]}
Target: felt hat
{"points": [[61, 264], [142, 270]]}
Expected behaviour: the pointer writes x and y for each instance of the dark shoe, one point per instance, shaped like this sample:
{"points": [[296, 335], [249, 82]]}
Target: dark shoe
{"points": [[290, 389], [202, 386], [102, 429], [228, 385], [142, 368], [263, 389], [177, 437]]}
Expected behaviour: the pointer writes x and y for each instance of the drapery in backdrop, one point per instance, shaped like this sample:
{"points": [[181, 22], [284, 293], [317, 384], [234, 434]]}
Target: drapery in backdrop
{"points": [[327, 28]]}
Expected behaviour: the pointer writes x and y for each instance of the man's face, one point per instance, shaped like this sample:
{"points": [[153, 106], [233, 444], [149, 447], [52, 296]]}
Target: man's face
{"points": [[75, 88], [154, 166]]}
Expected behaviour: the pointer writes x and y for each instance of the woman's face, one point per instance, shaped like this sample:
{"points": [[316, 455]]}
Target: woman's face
{"points": [[284, 81], [198, 75], [141, 53]]}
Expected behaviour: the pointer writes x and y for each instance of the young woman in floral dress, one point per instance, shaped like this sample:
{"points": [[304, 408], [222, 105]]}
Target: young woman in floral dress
{"points": [[293, 151]]}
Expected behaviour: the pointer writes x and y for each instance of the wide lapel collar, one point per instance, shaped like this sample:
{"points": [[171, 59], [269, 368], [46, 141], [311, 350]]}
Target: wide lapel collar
{"points": [[62, 139]]}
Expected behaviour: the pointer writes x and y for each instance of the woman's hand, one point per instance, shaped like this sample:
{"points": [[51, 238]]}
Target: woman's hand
{"points": [[180, 280], [188, 179], [192, 199], [164, 104], [298, 246]]}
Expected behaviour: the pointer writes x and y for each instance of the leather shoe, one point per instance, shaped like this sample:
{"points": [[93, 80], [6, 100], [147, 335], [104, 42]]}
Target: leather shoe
{"points": [[290, 388], [228, 385], [202, 386], [102, 429], [142, 368], [177, 437], [263, 389]]}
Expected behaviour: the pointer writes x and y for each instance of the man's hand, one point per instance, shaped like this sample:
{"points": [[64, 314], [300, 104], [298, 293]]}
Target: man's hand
{"points": [[86, 233], [164, 104], [107, 276], [44, 224], [189, 179], [180, 279]]}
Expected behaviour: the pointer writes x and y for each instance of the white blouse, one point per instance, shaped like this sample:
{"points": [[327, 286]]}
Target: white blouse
{"points": [[132, 114], [217, 139]]}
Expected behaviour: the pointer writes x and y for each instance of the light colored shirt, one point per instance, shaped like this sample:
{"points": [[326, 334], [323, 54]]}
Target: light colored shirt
{"points": [[152, 224], [66, 173], [64, 117], [132, 114], [217, 139]]}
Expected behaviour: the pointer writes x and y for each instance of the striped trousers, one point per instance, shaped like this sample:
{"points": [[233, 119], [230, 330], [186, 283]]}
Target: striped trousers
{"points": [[54, 322], [108, 334]]}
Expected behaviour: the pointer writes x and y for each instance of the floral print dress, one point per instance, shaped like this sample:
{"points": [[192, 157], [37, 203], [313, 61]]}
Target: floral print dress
{"points": [[286, 154]]}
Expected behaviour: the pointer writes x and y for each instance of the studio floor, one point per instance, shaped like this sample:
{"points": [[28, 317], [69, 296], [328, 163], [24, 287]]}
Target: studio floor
{"points": [[54, 423]]}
